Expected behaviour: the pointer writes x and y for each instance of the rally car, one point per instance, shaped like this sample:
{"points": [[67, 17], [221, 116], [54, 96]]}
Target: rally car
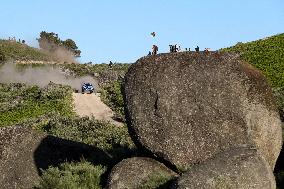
{"points": [[87, 88]]}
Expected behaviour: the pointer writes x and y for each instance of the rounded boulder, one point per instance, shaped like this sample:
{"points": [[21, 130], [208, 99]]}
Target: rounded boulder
{"points": [[187, 107], [139, 172], [240, 168]]}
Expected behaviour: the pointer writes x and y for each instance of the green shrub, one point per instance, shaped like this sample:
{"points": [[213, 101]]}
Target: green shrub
{"points": [[19, 102], [111, 95], [267, 55], [102, 135], [82, 175], [90, 69], [56, 91]]}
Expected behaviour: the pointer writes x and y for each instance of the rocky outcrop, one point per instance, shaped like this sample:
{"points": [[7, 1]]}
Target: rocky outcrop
{"points": [[17, 166], [134, 172], [188, 107], [239, 168]]}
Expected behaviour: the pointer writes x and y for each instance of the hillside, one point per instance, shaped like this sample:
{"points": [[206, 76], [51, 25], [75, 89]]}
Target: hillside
{"points": [[18, 51], [49, 111], [265, 54]]}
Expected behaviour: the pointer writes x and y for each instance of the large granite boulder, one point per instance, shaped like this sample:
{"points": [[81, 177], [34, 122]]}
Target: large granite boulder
{"points": [[187, 107], [239, 168], [134, 172]]}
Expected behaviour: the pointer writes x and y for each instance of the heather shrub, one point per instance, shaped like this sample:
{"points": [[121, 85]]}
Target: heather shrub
{"points": [[81, 175], [111, 95]]}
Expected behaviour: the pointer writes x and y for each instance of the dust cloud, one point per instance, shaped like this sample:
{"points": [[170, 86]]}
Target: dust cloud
{"points": [[58, 53], [41, 76]]}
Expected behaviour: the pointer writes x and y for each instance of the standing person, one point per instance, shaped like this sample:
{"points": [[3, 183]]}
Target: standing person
{"points": [[197, 49], [110, 64], [149, 53], [175, 48], [154, 49], [171, 48]]}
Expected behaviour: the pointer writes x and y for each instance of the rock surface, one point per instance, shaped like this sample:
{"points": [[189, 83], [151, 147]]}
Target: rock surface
{"points": [[239, 168], [187, 107], [132, 172], [17, 166]]}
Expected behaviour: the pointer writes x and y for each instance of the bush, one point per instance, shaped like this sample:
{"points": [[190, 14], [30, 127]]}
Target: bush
{"points": [[112, 96], [19, 102], [102, 135], [90, 69], [82, 175], [56, 91]]}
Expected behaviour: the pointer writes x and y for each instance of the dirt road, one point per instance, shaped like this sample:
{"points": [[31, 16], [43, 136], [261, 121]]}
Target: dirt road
{"points": [[91, 105]]}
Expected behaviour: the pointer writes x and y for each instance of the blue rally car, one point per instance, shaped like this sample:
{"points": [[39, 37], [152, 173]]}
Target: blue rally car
{"points": [[88, 88]]}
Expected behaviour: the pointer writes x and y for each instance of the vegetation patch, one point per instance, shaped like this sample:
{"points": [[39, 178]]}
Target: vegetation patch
{"points": [[20, 102], [100, 134], [266, 54], [111, 95], [81, 175], [91, 69], [19, 51]]}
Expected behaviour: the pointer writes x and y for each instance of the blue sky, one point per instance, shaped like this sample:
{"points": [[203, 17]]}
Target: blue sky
{"points": [[119, 30]]}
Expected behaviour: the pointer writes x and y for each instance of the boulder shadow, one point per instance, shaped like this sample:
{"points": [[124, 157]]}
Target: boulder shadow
{"points": [[53, 151], [279, 167]]}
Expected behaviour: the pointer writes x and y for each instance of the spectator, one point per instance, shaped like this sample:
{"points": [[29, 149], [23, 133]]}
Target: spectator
{"points": [[197, 49], [110, 64], [155, 50], [171, 48]]}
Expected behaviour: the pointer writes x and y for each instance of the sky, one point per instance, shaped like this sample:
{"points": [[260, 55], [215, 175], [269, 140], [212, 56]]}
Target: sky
{"points": [[119, 30]]}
